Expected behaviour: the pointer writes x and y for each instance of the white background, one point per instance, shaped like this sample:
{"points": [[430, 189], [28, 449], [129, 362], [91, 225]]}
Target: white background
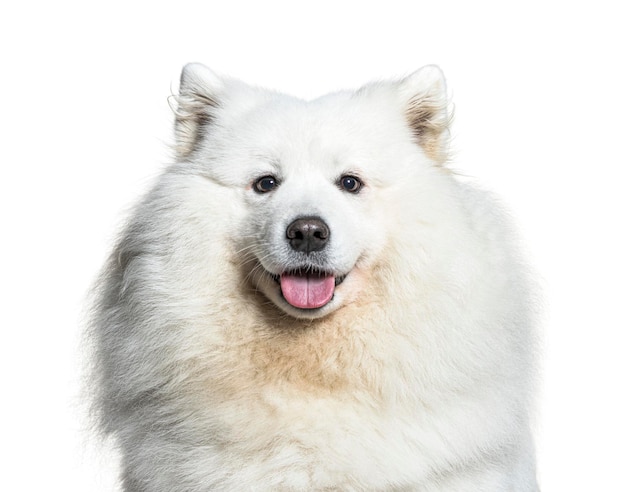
{"points": [[539, 96]]}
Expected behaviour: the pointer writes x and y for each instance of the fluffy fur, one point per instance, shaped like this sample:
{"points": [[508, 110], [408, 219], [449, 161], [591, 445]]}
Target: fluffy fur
{"points": [[415, 375]]}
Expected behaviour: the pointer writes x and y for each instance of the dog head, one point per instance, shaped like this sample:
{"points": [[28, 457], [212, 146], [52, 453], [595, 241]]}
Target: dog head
{"points": [[319, 184]]}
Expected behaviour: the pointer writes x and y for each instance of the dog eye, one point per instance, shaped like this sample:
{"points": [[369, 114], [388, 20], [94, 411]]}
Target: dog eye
{"points": [[265, 184], [350, 184]]}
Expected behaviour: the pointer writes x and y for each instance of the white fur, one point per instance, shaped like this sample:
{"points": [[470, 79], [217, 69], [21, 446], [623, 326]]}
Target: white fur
{"points": [[417, 375]]}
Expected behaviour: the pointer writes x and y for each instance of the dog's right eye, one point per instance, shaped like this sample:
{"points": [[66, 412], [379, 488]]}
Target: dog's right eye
{"points": [[265, 184]]}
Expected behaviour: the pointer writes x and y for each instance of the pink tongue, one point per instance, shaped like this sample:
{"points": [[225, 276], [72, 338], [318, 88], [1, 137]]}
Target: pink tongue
{"points": [[307, 292]]}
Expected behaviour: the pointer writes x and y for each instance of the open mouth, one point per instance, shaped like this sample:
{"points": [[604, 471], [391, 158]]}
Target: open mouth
{"points": [[308, 288]]}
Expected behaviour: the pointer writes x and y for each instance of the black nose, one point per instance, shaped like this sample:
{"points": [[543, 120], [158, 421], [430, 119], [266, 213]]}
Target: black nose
{"points": [[308, 234]]}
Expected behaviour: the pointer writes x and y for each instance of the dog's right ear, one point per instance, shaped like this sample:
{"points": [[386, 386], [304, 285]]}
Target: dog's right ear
{"points": [[197, 103]]}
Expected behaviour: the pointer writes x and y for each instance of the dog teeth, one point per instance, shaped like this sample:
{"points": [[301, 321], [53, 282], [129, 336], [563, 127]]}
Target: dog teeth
{"points": [[338, 280]]}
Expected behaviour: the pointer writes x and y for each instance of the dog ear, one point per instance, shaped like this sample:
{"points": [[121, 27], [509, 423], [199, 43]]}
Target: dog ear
{"points": [[427, 113], [197, 103]]}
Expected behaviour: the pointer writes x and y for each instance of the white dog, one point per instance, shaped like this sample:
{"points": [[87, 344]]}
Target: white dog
{"points": [[308, 299]]}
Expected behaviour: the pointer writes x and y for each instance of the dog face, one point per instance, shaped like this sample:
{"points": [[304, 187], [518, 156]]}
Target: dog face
{"points": [[318, 181]]}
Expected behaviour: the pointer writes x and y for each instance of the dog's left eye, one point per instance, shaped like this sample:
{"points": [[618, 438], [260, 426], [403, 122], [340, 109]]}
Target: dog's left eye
{"points": [[265, 184], [350, 184]]}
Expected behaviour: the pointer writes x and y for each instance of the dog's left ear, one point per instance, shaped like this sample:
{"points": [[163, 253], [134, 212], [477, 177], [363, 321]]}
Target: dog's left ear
{"points": [[426, 106]]}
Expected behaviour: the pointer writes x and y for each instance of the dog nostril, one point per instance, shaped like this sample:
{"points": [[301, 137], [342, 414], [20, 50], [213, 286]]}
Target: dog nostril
{"points": [[308, 234]]}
